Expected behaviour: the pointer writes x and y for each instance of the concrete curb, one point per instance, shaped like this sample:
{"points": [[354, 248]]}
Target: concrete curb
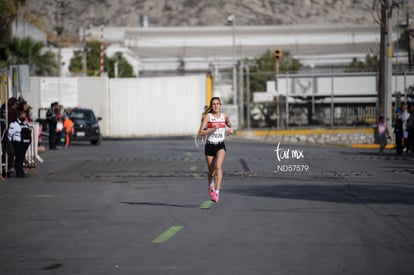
{"points": [[269, 133], [371, 146]]}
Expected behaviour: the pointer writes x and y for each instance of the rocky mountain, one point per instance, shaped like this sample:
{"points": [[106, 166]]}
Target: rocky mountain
{"points": [[73, 14]]}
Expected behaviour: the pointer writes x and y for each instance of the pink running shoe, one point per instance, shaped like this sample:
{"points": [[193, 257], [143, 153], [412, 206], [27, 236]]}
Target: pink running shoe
{"points": [[214, 197], [212, 192]]}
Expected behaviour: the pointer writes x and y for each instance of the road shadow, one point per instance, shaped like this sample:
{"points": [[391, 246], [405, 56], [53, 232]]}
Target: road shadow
{"points": [[353, 194], [160, 204]]}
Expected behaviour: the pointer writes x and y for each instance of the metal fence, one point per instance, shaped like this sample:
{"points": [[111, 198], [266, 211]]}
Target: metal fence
{"points": [[31, 158], [326, 100]]}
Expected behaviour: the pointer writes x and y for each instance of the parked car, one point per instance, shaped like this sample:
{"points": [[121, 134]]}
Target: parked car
{"points": [[86, 126]]}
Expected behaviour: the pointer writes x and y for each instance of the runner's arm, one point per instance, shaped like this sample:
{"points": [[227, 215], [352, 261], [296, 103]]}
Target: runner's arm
{"points": [[204, 130], [228, 123]]}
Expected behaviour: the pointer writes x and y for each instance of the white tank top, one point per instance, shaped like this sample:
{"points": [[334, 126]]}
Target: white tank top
{"points": [[219, 134]]}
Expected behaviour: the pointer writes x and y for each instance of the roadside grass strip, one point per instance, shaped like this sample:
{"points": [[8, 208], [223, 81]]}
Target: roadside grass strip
{"points": [[206, 205], [168, 234]]}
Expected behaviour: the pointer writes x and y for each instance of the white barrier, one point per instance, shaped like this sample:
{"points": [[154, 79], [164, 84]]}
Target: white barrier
{"points": [[30, 160]]}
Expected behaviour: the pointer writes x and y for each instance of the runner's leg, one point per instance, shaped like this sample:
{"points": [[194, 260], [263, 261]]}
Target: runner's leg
{"points": [[218, 167], [210, 166]]}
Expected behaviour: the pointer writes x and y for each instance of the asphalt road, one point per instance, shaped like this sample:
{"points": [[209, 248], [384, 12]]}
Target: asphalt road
{"points": [[142, 207]]}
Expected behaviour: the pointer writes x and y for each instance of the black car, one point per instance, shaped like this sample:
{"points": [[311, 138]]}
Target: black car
{"points": [[86, 126]]}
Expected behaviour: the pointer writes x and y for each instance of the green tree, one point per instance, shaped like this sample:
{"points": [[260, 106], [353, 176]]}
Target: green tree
{"points": [[264, 68], [369, 65], [26, 51], [8, 12], [93, 53], [124, 68]]}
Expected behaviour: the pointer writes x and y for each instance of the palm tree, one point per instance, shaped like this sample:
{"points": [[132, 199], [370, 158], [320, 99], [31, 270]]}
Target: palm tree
{"points": [[93, 62], [8, 11], [26, 51]]}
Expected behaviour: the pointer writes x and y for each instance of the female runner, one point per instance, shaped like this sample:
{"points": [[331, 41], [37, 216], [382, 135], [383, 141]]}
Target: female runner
{"points": [[214, 126]]}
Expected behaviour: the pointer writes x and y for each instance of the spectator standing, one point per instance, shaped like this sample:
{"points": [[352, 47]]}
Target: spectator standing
{"points": [[13, 110], [410, 129], [52, 117], [31, 116], [398, 131], [12, 115], [383, 133], [68, 112], [69, 130], [23, 106], [4, 139], [19, 134], [405, 115], [60, 132]]}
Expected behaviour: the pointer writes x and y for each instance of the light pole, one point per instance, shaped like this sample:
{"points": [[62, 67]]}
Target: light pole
{"points": [[278, 56], [232, 20], [60, 13], [312, 65], [59, 30], [84, 60], [385, 91]]}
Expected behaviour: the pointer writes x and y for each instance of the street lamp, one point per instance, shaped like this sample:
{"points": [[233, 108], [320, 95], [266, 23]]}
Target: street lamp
{"points": [[59, 31], [60, 13], [84, 35], [232, 20]]}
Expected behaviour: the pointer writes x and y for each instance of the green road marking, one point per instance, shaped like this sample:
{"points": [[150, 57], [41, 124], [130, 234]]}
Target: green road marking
{"points": [[206, 205], [168, 234], [197, 176], [189, 154]]}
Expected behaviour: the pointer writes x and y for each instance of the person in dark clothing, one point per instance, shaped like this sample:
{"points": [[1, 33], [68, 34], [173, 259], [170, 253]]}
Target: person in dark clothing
{"points": [[398, 131], [19, 134], [13, 110], [383, 133], [52, 119], [410, 129], [12, 115]]}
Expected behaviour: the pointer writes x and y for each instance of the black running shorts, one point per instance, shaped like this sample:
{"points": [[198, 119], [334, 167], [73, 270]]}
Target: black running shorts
{"points": [[211, 149]]}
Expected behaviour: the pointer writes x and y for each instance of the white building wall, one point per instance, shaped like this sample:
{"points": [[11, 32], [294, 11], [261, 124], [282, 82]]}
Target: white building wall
{"points": [[156, 107], [133, 107], [93, 94], [342, 85]]}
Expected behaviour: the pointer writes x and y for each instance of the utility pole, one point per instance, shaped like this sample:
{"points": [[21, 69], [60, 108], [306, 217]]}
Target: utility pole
{"points": [[386, 54], [248, 96], [241, 97], [278, 56], [84, 59], [232, 20], [388, 67], [60, 13]]}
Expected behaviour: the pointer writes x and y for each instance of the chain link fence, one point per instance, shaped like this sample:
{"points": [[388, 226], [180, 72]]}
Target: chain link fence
{"points": [[303, 100]]}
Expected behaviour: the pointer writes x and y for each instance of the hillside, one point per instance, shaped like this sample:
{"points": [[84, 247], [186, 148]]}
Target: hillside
{"points": [[83, 13]]}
